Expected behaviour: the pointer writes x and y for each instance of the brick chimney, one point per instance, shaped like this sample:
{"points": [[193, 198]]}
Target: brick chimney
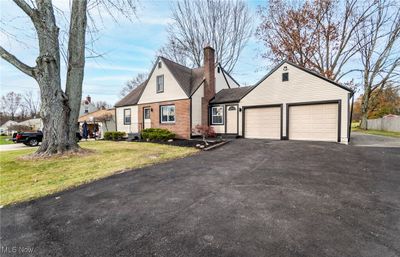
{"points": [[209, 85]]}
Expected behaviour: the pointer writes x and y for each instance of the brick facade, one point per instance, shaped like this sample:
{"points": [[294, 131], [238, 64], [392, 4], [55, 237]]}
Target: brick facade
{"points": [[181, 127]]}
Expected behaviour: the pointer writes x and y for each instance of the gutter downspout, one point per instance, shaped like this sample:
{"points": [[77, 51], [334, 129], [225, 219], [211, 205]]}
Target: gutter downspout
{"points": [[351, 115]]}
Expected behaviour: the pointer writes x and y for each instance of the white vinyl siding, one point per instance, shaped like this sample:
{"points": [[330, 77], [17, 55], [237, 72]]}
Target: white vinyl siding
{"points": [[301, 87], [127, 128], [172, 90]]}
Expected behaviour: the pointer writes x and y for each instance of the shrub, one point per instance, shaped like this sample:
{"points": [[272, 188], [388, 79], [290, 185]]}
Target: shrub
{"points": [[157, 134], [114, 135], [204, 131]]}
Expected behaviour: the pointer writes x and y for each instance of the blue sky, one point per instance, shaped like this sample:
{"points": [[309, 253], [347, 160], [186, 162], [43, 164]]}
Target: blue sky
{"points": [[128, 47]]}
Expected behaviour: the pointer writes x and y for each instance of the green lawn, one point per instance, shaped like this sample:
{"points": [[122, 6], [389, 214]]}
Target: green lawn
{"points": [[355, 126], [22, 180], [4, 140]]}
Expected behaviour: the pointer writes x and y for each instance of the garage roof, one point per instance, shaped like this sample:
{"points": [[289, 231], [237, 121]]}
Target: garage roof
{"points": [[230, 95]]}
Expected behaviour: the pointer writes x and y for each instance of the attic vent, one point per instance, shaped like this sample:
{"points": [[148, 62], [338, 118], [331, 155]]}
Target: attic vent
{"points": [[218, 69], [159, 65], [285, 76]]}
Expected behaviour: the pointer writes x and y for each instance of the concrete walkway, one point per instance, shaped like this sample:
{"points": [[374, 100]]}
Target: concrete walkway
{"points": [[362, 139], [12, 147]]}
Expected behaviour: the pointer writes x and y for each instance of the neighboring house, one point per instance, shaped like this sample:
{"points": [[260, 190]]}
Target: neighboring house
{"points": [[290, 102], [100, 121], [173, 97], [5, 128], [35, 124], [87, 106]]}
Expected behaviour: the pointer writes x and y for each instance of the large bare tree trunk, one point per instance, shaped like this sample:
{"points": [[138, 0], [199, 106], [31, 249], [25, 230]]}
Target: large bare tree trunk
{"points": [[54, 109]]}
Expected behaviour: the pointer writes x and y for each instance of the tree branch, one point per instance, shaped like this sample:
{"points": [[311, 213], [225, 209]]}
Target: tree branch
{"points": [[28, 70], [25, 7]]}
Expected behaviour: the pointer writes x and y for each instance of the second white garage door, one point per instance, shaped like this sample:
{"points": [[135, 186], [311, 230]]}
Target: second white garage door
{"points": [[263, 122], [314, 122]]}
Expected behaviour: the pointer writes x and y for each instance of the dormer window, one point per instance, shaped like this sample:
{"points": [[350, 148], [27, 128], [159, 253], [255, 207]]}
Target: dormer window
{"points": [[159, 65], [285, 76], [160, 83]]}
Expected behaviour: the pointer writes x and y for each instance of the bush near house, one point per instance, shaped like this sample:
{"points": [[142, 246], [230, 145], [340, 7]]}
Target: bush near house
{"points": [[114, 135], [157, 134]]}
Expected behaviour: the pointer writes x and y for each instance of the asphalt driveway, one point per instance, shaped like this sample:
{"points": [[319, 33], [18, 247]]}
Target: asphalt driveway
{"points": [[247, 198]]}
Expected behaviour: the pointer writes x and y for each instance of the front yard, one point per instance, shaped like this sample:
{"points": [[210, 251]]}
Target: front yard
{"points": [[5, 140], [355, 126], [22, 180]]}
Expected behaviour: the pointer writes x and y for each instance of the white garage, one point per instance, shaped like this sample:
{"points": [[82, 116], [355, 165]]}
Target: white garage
{"points": [[295, 103], [263, 122], [315, 122]]}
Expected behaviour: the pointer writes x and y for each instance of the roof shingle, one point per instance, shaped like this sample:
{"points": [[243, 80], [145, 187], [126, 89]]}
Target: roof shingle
{"points": [[133, 97], [230, 95]]}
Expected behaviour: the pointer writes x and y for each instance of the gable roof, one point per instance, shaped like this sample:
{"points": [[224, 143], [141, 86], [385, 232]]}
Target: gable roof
{"points": [[303, 69], [133, 97], [96, 114], [189, 79], [231, 95]]}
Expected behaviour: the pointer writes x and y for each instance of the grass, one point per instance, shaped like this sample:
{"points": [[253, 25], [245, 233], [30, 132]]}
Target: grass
{"points": [[355, 126], [22, 180], [4, 140]]}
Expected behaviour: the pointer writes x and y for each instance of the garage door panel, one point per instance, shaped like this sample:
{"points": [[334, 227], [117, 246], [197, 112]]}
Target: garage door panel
{"points": [[314, 122], [263, 122]]}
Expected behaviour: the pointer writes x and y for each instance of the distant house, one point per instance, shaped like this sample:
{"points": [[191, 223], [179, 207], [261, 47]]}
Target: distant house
{"points": [[33, 124], [87, 106], [5, 128], [11, 126], [99, 121]]}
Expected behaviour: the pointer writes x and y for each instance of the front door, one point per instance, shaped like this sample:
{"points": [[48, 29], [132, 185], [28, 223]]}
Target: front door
{"points": [[231, 119], [146, 118]]}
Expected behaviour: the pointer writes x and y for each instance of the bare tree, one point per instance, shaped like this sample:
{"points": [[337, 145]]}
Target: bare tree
{"points": [[10, 104], [60, 108], [102, 104], [31, 103], [224, 24], [379, 40], [133, 83], [319, 34]]}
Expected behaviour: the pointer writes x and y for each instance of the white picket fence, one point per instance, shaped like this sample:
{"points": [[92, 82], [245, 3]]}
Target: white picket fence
{"points": [[387, 123]]}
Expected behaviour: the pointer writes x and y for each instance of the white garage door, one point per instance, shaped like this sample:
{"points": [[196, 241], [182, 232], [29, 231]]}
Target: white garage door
{"points": [[314, 122], [263, 123]]}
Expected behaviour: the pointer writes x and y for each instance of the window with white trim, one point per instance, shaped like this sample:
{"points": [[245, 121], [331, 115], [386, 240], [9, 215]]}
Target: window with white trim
{"points": [[160, 83], [217, 115], [127, 116], [167, 114]]}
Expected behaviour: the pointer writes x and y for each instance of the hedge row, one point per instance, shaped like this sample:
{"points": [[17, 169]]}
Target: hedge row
{"points": [[157, 134], [114, 135]]}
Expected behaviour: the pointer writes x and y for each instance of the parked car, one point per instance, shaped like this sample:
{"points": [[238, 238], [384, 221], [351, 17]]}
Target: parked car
{"points": [[33, 138]]}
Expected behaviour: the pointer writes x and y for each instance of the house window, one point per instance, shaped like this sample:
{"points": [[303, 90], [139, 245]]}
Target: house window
{"points": [[127, 116], [160, 84], [159, 65], [218, 69], [147, 113], [285, 76], [167, 114], [217, 115]]}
